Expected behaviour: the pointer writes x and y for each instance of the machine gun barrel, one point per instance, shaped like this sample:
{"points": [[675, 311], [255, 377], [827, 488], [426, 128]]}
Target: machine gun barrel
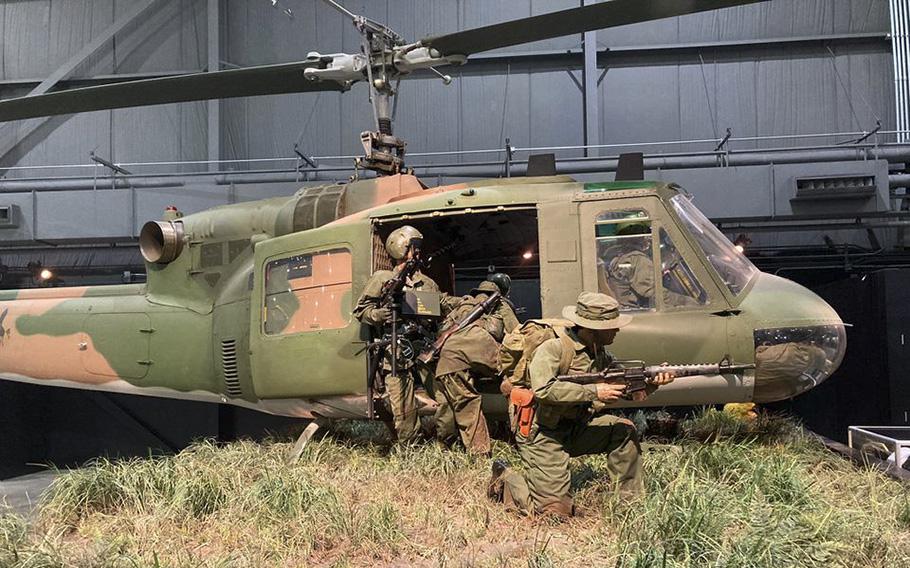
{"points": [[697, 369], [638, 377], [479, 310]]}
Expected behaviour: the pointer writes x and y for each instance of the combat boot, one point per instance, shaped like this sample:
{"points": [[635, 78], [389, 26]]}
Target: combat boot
{"points": [[558, 510]]}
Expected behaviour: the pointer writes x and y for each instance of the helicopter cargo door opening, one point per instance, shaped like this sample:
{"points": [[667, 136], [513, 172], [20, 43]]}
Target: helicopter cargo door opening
{"points": [[303, 337], [632, 249], [469, 245]]}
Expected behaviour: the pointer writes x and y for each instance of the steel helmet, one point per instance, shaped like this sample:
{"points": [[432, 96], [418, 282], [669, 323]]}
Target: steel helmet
{"points": [[400, 239], [503, 281]]}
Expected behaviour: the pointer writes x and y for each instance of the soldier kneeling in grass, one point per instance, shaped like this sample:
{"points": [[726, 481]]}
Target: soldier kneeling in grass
{"points": [[554, 419]]}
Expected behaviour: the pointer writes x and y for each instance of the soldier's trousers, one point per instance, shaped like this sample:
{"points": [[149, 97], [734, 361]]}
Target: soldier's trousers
{"points": [[459, 412], [403, 405], [545, 453]]}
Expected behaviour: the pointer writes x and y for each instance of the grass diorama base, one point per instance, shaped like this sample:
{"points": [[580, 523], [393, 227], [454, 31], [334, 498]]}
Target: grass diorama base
{"points": [[722, 492]]}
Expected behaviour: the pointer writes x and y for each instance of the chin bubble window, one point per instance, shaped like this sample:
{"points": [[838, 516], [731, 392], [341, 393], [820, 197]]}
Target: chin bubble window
{"points": [[625, 262], [792, 360], [308, 292]]}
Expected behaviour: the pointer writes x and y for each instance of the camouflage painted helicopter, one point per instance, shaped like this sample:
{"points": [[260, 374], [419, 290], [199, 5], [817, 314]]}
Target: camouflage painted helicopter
{"points": [[250, 304]]}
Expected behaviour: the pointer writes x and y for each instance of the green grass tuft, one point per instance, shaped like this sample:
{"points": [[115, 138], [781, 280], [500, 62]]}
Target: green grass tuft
{"points": [[725, 493]]}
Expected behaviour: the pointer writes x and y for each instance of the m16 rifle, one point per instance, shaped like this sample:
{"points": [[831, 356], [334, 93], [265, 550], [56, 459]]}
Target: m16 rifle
{"points": [[636, 376], [480, 309]]}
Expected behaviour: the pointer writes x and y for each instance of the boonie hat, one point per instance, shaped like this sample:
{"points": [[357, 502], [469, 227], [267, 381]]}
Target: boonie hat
{"points": [[485, 287], [596, 311]]}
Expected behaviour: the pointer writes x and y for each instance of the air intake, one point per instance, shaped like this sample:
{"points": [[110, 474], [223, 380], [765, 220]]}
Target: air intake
{"points": [[229, 365], [835, 187]]}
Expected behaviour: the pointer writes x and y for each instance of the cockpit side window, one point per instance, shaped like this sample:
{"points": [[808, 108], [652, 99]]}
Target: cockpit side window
{"points": [[680, 287], [308, 292], [625, 261]]}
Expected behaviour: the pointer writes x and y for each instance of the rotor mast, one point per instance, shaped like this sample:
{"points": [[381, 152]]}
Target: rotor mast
{"points": [[383, 151], [383, 59]]}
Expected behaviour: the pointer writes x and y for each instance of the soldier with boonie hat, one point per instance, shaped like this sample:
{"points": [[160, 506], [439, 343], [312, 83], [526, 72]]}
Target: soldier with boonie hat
{"points": [[563, 423]]}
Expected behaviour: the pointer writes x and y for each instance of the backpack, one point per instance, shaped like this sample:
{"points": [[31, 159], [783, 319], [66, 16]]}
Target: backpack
{"points": [[519, 345]]}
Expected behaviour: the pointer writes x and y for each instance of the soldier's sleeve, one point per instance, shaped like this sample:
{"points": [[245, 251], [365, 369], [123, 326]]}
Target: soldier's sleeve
{"points": [[642, 280], [369, 300], [492, 323], [448, 303], [509, 319], [544, 369]]}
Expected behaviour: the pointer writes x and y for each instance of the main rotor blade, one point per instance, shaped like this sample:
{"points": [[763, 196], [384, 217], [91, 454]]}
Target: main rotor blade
{"points": [[567, 22], [246, 82]]}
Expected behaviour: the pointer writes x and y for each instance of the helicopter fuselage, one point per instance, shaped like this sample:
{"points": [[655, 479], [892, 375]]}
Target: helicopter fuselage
{"points": [[255, 307]]}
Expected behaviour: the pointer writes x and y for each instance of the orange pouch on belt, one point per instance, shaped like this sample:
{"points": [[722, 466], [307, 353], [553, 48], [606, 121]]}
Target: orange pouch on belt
{"points": [[523, 402]]}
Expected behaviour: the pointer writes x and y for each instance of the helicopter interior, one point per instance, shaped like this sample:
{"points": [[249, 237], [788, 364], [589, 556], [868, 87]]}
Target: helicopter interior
{"points": [[467, 247]]}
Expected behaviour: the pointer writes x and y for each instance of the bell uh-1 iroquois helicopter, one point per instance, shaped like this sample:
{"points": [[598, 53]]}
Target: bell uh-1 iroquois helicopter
{"points": [[250, 304]]}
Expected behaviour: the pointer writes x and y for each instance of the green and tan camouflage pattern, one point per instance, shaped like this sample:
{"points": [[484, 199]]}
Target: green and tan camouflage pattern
{"points": [[197, 329]]}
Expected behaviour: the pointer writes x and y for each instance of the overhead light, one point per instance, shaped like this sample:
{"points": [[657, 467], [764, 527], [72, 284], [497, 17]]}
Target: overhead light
{"points": [[528, 255], [741, 242], [46, 274]]}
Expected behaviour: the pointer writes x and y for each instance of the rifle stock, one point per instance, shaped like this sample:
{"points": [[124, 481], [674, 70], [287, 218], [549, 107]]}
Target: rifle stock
{"points": [[479, 310]]}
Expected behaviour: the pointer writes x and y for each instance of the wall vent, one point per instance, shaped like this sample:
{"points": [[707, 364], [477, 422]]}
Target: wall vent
{"points": [[9, 216], [229, 365], [835, 187]]}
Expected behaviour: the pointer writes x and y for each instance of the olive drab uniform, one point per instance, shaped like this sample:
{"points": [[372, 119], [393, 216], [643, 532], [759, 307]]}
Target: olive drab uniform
{"points": [[630, 276], [400, 389], [506, 312], [565, 426], [631, 279], [465, 357]]}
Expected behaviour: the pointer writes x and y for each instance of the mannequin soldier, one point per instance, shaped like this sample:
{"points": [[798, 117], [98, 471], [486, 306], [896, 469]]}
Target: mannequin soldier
{"points": [[402, 244], [466, 357], [563, 424]]}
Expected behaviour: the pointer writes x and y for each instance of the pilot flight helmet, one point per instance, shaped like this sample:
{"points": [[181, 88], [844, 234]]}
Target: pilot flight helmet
{"points": [[632, 228], [503, 281], [400, 239]]}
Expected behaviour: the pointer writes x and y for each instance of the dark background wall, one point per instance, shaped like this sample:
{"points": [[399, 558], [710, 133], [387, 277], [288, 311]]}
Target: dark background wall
{"points": [[871, 387], [41, 426]]}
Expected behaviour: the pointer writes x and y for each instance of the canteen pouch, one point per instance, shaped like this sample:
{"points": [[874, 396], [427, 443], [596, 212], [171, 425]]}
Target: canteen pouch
{"points": [[522, 410]]}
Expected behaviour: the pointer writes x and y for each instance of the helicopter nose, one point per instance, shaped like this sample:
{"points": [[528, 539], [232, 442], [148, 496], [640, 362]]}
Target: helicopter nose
{"points": [[799, 339]]}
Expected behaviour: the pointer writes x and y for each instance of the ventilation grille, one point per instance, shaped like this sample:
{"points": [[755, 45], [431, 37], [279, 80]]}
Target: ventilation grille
{"points": [[835, 187], [229, 364], [381, 258]]}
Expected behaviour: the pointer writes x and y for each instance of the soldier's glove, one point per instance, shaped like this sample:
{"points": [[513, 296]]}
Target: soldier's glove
{"points": [[660, 380], [608, 392], [381, 315]]}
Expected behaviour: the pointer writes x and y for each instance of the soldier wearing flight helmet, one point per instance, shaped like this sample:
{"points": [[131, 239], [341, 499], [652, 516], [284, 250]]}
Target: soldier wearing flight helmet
{"points": [[402, 244]]}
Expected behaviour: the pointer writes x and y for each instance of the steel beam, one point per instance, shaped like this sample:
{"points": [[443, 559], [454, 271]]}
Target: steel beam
{"points": [[12, 137], [589, 79], [213, 15]]}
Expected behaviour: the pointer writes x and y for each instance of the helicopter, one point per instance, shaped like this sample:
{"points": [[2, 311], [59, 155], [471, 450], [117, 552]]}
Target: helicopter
{"points": [[251, 304]]}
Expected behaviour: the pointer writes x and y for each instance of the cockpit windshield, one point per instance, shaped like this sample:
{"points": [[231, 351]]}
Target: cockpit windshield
{"points": [[733, 267]]}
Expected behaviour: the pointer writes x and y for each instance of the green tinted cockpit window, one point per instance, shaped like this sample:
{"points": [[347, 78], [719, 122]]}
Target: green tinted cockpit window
{"points": [[731, 265], [625, 265]]}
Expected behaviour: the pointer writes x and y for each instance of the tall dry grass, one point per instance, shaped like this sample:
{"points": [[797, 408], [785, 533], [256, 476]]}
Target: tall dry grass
{"points": [[726, 494]]}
